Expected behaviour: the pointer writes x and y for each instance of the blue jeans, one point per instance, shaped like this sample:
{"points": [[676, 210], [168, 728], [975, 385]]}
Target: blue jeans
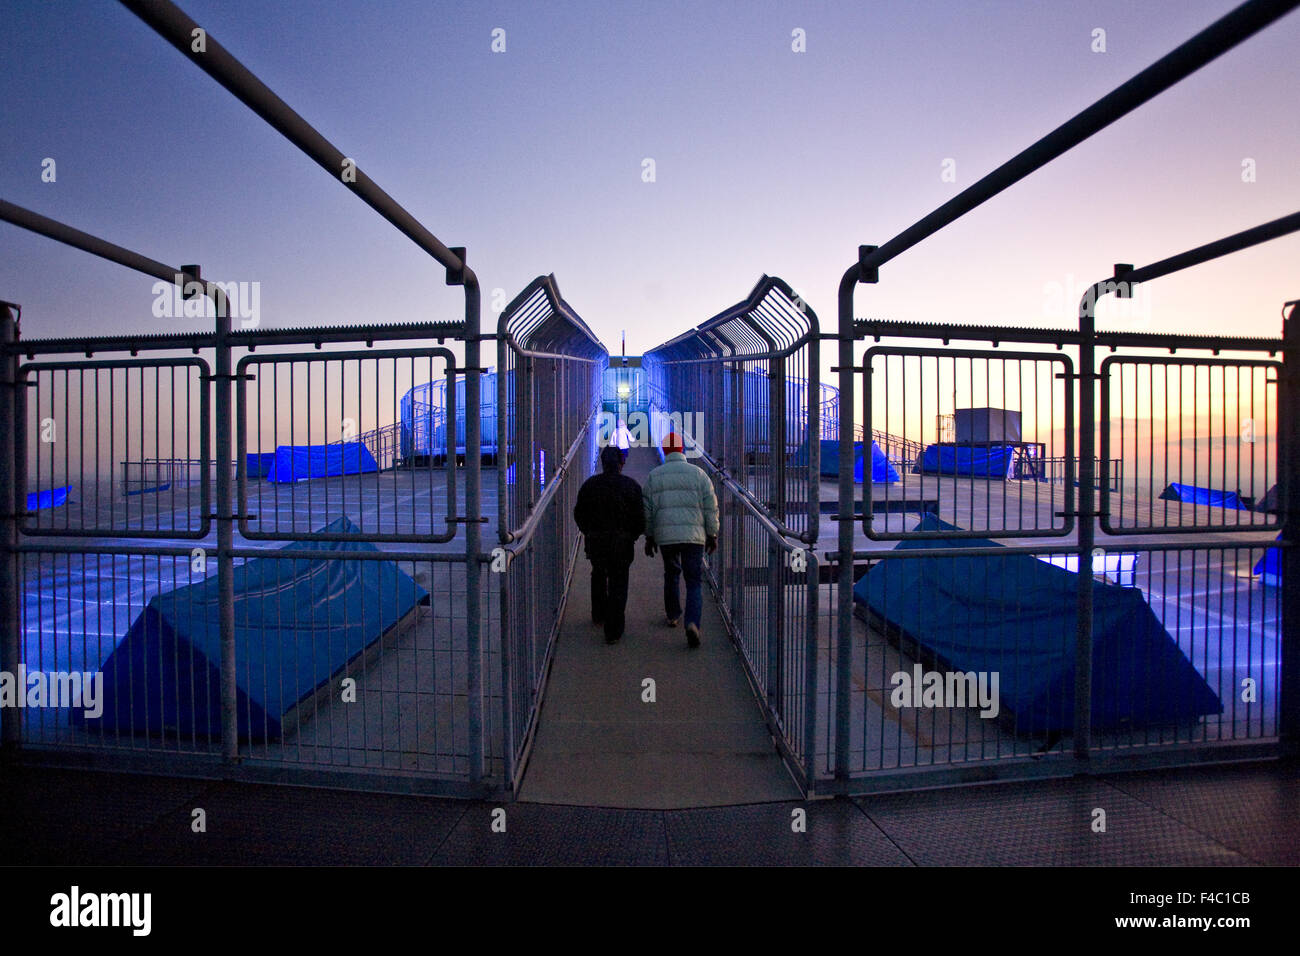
{"points": [[686, 560]]}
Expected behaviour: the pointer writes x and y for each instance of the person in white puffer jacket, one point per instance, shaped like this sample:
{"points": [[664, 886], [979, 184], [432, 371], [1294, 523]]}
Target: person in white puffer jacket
{"points": [[681, 521]]}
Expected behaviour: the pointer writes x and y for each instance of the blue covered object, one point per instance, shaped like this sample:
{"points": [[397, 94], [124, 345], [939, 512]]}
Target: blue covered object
{"points": [[298, 622], [50, 498], [258, 464], [1203, 496], [149, 491], [974, 461], [1270, 566], [302, 462], [1016, 615], [882, 471]]}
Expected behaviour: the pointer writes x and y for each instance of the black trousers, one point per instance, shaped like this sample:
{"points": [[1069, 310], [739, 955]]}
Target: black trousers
{"points": [[609, 594]]}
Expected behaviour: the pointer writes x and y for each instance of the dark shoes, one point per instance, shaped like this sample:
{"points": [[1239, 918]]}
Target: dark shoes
{"points": [[692, 635], [612, 640], [672, 621]]}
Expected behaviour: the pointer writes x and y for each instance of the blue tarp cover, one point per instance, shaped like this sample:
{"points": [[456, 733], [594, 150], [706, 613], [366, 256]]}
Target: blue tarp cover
{"points": [[301, 462], [882, 471], [297, 623], [1270, 565], [50, 498], [1016, 615], [259, 463], [976, 461], [148, 491], [1203, 496]]}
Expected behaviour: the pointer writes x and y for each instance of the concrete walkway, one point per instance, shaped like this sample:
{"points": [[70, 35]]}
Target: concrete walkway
{"points": [[701, 743]]}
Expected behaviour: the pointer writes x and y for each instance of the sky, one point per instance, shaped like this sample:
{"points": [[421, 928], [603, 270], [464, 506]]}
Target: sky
{"points": [[766, 160]]}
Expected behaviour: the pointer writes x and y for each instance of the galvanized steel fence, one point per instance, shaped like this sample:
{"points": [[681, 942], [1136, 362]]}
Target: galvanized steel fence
{"points": [[1171, 637], [745, 387], [550, 369], [1151, 498]]}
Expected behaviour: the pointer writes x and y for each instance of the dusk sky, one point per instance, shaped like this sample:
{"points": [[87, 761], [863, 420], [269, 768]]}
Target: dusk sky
{"points": [[766, 160]]}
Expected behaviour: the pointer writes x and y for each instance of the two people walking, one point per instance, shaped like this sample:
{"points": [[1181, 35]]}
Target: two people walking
{"points": [[677, 511]]}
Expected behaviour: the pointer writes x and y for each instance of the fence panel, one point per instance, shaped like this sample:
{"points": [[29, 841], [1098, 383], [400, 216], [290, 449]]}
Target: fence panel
{"points": [[550, 379], [325, 427], [1185, 636], [1010, 412], [743, 389], [83, 418], [1204, 432]]}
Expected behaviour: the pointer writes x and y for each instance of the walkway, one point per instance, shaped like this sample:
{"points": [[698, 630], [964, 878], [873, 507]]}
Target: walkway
{"points": [[701, 743]]}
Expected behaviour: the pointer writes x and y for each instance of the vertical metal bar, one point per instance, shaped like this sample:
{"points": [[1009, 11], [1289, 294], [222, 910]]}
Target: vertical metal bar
{"points": [[225, 537], [1288, 430], [473, 506], [814, 434], [843, 643], [1087, 515], [776, 435], [812, 626], [11, 496]]}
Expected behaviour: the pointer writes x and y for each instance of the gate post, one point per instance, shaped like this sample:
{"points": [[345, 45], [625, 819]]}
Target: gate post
{"points": [[1289, 446], [473, 509], [843, 636], [225, 523], [11, 495], [1085, 506]]}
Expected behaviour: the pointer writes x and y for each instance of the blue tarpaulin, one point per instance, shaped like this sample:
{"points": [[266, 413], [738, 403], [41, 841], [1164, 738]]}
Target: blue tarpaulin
{"points": [[1016, 615], [258, 464], [975, 461], [1203, 496], [301, 462], [49, 498], [882, 471], [1270, 566], [298, 622], [148, 491]]}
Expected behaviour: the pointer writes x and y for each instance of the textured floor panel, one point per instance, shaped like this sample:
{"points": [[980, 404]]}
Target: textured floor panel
{"points": [[1253, 810], [258, 825], [1045, 823], [550, 835], [54, 817], [836, 834]]}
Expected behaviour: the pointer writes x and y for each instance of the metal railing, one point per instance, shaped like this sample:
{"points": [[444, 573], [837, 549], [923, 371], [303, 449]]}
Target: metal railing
{"points": [[35, 576], [767, 589], [744, 389], [1101, 710], [550, 369]]}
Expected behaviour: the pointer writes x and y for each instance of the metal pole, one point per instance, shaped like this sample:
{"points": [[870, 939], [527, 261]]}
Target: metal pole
{"points": [[176, 27], [473, 509], [11, 497], [225, 540], [1216, 39], [1289, 488], [1087, 515], [812, 638], [844, 597]]}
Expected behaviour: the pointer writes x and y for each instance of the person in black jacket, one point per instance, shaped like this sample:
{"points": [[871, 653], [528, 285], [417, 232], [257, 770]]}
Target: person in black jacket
{"points": [[610, 515]]}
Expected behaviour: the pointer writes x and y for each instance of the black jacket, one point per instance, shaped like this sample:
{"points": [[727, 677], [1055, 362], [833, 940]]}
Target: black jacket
{"points": [[610, 515]]}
